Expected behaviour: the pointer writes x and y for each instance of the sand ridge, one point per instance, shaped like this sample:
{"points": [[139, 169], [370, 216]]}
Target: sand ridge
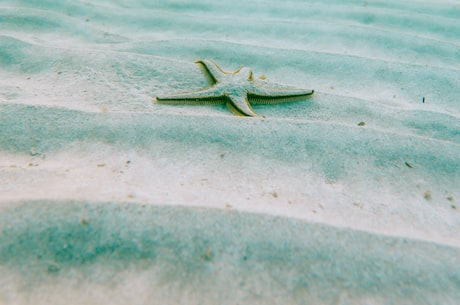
{"points": [[376, 149]]}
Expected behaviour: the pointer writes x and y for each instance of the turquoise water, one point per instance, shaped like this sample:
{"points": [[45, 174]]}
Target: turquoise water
{"points": [[349, 197], [203, 256]]}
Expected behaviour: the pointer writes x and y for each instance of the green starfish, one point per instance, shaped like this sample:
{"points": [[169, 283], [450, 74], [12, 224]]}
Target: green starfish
{"points": [[237, 90]]}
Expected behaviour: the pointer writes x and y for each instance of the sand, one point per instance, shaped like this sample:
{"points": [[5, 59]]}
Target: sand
{"points": [[370, 161]]}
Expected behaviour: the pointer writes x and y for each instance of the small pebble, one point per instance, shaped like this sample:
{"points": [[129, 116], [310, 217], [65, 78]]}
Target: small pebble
{"points": [[427, 195]]}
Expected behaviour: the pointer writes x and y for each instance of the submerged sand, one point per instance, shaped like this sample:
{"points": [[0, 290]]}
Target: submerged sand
{"points": [[374, 154]]}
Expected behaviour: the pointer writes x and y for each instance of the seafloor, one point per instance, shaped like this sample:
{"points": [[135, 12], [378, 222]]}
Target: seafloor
{"points": [[348, 197]]}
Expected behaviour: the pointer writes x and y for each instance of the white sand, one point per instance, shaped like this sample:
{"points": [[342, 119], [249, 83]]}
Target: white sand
{"points": [[77, 120]]}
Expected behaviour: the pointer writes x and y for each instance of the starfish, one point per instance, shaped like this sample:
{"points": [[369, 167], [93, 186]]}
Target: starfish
{"points": [[235, 89]]}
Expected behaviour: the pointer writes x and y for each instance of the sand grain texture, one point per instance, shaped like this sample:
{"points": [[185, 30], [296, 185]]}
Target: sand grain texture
{"points": [[367, 169]]}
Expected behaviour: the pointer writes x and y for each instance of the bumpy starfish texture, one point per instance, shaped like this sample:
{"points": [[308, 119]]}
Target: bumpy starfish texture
{"points": [[237, 90]]}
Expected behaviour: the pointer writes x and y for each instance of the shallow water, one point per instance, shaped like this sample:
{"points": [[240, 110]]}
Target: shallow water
{"points": [[372, 159], [177, 255]]}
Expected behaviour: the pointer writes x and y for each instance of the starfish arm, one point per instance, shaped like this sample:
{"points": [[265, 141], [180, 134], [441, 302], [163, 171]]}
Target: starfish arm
{"points": [[212, 69], [239, 105], [269, 95], [206, 96]]}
